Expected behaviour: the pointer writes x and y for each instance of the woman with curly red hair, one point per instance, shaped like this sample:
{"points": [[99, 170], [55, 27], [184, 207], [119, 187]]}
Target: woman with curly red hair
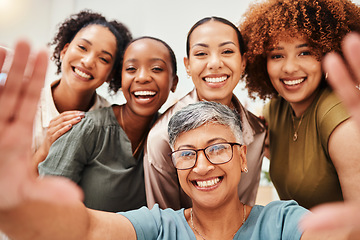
{"points": [[313, 145]]}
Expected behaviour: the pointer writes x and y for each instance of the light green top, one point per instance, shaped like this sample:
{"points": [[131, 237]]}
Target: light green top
{"points": [[302, 170]]}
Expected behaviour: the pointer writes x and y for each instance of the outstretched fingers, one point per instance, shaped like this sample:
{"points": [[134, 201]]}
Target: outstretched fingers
{"points": [[11, 90], [344, 77], [32, 89]]}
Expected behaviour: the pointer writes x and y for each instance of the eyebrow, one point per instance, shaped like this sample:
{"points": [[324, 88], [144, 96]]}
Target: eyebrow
{"points": [[297, 46], [209, 142], [103, 51], [206, 45], [151, 60]]}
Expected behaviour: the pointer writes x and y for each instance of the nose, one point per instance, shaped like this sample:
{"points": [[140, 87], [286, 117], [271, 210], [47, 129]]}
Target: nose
{"points": [[290, 65], [202, 165], [143, 76], [88, 60], [215, 61]]}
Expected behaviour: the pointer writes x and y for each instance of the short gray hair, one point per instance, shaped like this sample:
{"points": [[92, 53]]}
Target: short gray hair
{"points": [[200, 113]]}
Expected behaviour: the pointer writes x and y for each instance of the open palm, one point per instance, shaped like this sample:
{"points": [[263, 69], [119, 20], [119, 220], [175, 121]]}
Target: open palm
{"points": [[18, 103]]}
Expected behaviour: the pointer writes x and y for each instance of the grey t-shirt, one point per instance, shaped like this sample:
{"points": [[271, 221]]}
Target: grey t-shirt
{"points": [[97, 155]]}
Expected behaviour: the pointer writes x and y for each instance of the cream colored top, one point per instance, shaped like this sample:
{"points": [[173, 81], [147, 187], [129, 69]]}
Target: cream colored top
{"points": [[47, 111]]}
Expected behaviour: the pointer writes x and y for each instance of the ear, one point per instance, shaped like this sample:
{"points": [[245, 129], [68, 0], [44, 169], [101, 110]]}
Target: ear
{"points": [[174, 83], [63, 51], [243, 151], [243, 65], [187, 66]]}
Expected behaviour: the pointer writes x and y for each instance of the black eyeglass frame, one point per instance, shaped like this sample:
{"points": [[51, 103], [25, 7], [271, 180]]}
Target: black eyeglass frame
{"points": [[232, 144]]}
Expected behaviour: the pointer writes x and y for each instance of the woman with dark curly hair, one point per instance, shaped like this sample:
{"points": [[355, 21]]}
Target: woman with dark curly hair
{"points": [[88, 52], [313, 145]]}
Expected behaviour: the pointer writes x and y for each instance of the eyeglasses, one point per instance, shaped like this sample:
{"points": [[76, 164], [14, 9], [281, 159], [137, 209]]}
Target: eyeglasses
{"points": [[218, 153]]}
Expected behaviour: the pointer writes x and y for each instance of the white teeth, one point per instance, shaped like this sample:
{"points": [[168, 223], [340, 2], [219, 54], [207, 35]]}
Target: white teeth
{"points": [[82, 74], [216, 80], [144, 93], [294, 82], [208, 183]]}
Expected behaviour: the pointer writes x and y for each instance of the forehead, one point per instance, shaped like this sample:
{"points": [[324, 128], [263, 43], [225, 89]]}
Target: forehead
{"points": [[147, 49], [95, 30], [98, 36], [289, 40], [215, 31], [206, 134]]}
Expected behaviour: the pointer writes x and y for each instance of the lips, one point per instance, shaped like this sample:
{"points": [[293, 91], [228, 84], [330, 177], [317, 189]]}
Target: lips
{"points": [[144, 94], [207, 183], [82, 74], [293, 82], [215, 79]]}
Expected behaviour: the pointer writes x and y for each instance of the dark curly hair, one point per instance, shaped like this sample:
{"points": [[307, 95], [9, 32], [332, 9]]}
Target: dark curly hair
{"points": [[72, 25], [324, 23]]}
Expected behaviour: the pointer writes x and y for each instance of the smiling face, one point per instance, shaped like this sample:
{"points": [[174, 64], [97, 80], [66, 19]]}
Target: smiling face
{"points": [[88, 59], [207, 184], [215, 62], [294, 72], [147, 76]]}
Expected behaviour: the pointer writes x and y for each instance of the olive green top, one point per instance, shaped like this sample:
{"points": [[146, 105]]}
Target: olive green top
{"points": [[302, 170]]}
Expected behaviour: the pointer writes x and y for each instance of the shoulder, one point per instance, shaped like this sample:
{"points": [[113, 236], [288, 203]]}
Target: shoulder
{"points": [[278, 219], [160, 126], [285, 207], [100, 102], [277, 104], [329, 113], [157, 223], [100, 117], [329, 103]]}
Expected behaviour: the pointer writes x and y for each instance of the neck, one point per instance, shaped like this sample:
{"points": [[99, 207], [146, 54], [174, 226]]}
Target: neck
{"points": [[135, 126], [66, 100], [300, 107], [220, 222], [225, 101]]}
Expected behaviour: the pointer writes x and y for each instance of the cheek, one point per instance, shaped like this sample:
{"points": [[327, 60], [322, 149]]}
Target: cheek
{"points": [[271, 70], [125, 84], [106, 71], [182, 176], [195, 67]]}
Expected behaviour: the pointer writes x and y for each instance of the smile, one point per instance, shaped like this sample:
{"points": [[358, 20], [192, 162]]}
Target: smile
{"points": [[294, 82], [216, 79], [144, 94], [208, 183], [82, 74]]}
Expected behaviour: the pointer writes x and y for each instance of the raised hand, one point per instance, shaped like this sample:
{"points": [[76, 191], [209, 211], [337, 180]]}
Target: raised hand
{"points": [[18, 103], [344, 77]]}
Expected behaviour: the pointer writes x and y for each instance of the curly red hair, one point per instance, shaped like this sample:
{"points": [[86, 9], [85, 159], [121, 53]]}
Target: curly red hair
{"points": [[324, 23]]}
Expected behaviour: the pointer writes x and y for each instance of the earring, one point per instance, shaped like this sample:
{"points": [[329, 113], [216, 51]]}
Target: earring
{"points": [[245, 170], [326, 75]]}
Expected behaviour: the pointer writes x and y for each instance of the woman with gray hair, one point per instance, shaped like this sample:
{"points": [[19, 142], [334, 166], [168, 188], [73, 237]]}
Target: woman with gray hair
{"points": [[191, 117]]}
